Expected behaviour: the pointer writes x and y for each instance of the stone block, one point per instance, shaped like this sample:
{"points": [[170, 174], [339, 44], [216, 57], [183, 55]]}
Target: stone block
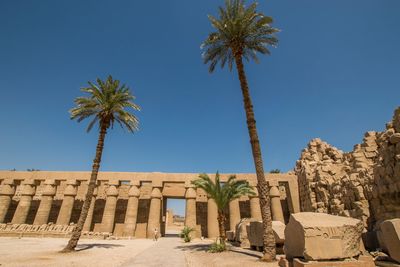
{"points": [[279, 231], [319, 236], [395, 138], [390, 238], [255, 233], [230, 235], [363, 261], [241, 231]]}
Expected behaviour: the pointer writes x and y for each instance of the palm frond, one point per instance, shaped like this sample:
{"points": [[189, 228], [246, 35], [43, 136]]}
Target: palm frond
{"points": [[108, 102], [239, 30], [223, 193]]}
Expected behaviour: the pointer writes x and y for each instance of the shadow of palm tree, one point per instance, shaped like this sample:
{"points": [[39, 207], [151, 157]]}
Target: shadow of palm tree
{"points": [[96, 245], [171, 235], [247, 252], [194, 247], [230, 248]]}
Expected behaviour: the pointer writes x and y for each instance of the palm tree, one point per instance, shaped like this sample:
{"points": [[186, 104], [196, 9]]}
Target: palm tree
{"points": [[223, 193], [106, 103], [242, 32]]}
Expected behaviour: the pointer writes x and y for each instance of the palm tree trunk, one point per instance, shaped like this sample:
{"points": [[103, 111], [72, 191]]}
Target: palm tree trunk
{"points": [[262, 185], [221, 226], [76, 233]]}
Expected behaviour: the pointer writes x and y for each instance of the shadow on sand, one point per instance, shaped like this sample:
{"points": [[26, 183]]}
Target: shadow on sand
{"points": [[96, 245], [205, 247], [171, 235]]}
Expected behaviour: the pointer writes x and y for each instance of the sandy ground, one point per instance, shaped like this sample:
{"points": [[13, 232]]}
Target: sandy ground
{"points": [[168, 251], [44, 252], [197, 256]]}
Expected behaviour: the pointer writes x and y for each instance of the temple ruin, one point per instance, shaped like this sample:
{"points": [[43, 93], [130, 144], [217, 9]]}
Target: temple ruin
{"points": [[362, 184], [125, 204]]}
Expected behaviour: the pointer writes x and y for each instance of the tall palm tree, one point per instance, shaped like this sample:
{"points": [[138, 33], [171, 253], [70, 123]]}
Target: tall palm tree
{"points": [[242, 32], [223, 193], [106, 104]]}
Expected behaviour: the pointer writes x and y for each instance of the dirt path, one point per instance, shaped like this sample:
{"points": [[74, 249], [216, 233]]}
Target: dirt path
{"points": [[165, 252]]}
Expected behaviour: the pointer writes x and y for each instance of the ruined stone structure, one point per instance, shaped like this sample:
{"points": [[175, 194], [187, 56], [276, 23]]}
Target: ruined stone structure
{"points": [[125, 204], [363, 183]]}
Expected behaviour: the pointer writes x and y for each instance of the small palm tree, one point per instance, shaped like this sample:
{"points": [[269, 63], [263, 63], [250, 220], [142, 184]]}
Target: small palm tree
{"points": [[223, 193], [185, 233], [242, 32], [106, 103]]}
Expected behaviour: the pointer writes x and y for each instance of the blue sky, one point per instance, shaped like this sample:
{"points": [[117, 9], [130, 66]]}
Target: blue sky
{"points": [[335, 74]]}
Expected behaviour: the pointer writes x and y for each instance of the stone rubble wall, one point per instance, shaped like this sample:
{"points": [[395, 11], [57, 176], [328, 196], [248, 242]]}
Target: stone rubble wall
{"points": [[363, 183], [45, 230]]}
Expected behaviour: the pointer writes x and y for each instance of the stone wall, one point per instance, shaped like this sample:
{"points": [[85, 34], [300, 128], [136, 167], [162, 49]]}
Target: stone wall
{"points": [[363, 183], [125, 204]]}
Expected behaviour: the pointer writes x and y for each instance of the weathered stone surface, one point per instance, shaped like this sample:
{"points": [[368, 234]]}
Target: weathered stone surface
{"points": [[395, 138], [241, 231], [255, 233], [318, 236], [363, 261], [390, 237], [230, 235], [363, 183], [279, 231]]}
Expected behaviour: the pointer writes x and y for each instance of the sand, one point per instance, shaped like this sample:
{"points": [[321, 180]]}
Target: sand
{"points": [[45, 252]]}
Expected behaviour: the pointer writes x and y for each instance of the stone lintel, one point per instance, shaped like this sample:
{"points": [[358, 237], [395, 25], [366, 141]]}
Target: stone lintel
{"points": [[157, 183], [188, 184], [135, 183], [8, 181], [113, 182], [72, 182], [28, 182], [273, 183], [50, 182]]}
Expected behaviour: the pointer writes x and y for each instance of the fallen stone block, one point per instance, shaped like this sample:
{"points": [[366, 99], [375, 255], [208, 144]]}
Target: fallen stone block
{"points": [[320, 236], [255, 233], [241, 231], [390, 237], [363, 261], [230, 235]]}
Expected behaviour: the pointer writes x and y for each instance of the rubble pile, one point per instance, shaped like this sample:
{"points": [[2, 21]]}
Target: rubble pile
{"points": [[362, 184]]}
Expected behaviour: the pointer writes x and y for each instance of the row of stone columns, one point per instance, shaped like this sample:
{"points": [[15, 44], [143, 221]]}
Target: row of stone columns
{"points": [[7, 190]]}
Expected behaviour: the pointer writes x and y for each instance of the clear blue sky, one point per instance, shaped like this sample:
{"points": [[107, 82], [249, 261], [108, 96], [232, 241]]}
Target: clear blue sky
{"points": [[335, 74]]}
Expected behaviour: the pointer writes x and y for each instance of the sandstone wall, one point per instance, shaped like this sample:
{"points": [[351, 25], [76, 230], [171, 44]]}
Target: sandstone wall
{"points": [[363, 183]]}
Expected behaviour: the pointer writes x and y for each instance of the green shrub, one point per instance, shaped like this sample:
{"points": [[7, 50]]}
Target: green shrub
{"points": [[217, 247], [185, 234]]}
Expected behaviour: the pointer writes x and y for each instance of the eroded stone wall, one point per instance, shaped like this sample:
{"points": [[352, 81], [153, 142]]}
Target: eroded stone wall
{"points": [[363, 183]]}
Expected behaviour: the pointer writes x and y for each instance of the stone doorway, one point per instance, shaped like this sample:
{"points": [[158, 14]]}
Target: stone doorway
{"points": [[173, 216]]}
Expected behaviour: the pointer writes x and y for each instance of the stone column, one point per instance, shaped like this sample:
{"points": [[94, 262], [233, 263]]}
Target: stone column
{"points": [[43, 212], [234, 214], [109, 210], [24, 204], [89, 218], [255, 210], [132, 211], [7, 191], [190, 214], [155, 212], [67, 205], [276, 206], [212, 221]]}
